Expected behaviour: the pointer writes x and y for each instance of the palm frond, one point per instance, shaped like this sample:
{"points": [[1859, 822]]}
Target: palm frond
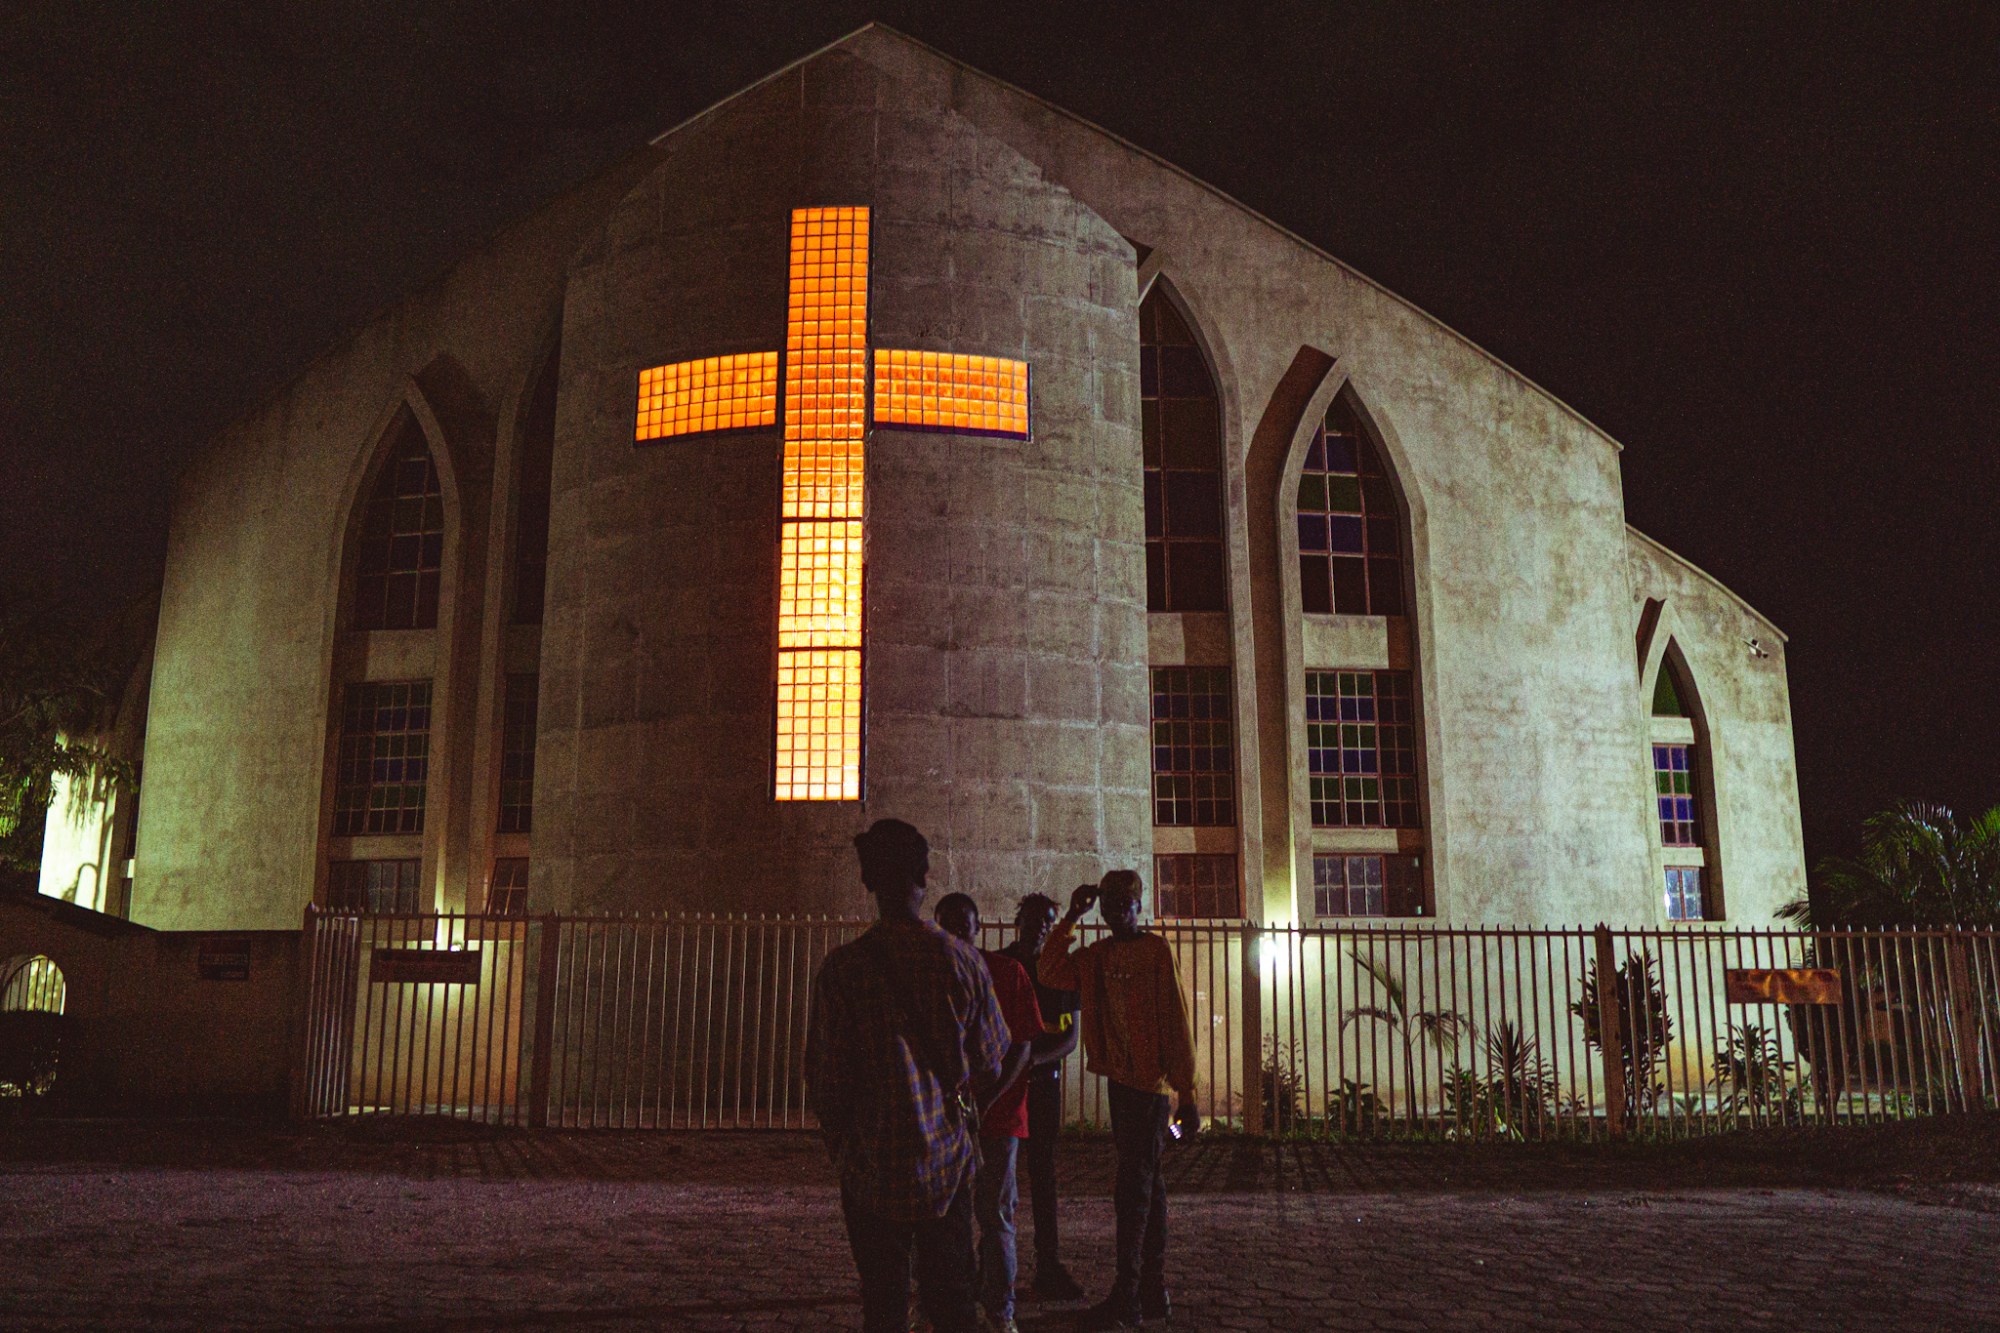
{"points": [[1376, 1012], [1390, 984]]}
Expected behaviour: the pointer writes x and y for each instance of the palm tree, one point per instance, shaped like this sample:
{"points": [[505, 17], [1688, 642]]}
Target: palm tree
{"points": [[57, 687], [1440, 1027], [1920, 865]]}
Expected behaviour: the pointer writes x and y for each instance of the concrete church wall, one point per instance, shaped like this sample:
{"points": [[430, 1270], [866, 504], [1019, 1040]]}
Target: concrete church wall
{"points": [[236, 743], [1005, 659], [1538, 801], [1748, 715]]}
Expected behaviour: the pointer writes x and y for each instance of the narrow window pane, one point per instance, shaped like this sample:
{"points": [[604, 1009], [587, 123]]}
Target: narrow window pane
{"points": [[1199, 886], [402, 540], [1361, 749], [383, 758], [1194, 753], [373, 886], [1348, 511], [517, 755], [507, 891], [1181, 422], [1195, 578], [1673, 779]]}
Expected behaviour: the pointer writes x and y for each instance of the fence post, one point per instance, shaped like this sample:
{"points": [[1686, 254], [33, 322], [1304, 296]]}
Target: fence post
{"points": [[1965, 1014], [545, 1024], [1611, 1032], [304, 1023], [1253, 1029]]}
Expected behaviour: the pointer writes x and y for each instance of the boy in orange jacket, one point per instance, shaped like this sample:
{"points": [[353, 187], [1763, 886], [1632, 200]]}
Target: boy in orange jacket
{"points": [[1135, 1034]]}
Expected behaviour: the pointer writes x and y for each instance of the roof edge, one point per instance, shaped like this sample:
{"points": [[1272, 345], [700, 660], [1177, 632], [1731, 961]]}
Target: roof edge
{"points": [[1713, 581], [781, 71], [1189, 176]]}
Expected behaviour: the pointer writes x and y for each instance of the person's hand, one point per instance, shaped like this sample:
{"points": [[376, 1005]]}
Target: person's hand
{"points": [[1188, 1118], [1081, 900]]}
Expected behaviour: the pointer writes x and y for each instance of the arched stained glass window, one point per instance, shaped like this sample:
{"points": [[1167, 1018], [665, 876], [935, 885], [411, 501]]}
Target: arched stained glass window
{"points": [[1350, 524], [1681, 783], [401, 539], [1181, 420]]}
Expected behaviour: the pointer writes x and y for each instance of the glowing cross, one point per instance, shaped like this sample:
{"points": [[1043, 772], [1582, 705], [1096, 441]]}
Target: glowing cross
{"points": [[826, 369]]}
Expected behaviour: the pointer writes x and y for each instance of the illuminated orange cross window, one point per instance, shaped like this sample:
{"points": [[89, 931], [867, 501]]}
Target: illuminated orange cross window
{"points": [[826, 414]]}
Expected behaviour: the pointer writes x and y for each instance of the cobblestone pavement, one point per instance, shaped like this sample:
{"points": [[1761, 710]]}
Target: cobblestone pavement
{"points": [[205, 1228]]}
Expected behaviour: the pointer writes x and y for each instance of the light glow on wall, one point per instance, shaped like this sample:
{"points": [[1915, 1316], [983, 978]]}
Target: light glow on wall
{"points": [[820, 541], [985, 395], [737, 392]]}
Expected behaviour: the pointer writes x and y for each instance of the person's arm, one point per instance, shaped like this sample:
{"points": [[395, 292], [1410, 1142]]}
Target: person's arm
{"points": [[1050, 1047], [825, 1095], [1019, 1056], [1024, 1020], [987, 1050], [1058, 969], [1177, 1043], [1053, 1047]]}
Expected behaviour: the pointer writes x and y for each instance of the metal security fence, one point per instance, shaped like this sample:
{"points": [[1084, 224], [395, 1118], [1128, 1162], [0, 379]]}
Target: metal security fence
{"points": [[688, 1021]]}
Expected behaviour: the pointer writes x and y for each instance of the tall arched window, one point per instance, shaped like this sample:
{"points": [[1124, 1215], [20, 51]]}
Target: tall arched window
{"points": [[378, 778], [1681, 797], [401, 543], [1350, 524], [1181, 420], [1363, 733]]}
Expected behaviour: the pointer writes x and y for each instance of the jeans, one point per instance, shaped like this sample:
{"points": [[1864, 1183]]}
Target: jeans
{"points": [[1044, 1125], [944, 1266], [994, 1202], [1139, 1132]]}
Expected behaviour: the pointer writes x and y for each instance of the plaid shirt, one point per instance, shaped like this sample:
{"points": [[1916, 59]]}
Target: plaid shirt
{"points": [[886, 1097]]}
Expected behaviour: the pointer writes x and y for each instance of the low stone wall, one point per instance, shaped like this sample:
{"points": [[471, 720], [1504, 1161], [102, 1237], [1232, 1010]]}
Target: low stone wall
{"points": [[163, 1022]]}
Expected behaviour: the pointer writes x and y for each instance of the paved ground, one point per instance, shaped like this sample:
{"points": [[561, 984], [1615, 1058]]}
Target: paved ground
{"points": [[219, 1227]]}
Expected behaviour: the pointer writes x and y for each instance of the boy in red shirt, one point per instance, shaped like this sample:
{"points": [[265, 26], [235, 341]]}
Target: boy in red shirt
{"points": [[995, 1191]]}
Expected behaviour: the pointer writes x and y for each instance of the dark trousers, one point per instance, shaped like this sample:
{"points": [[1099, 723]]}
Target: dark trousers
{"points": [[1044, 1125], [1139, 1131], [945, 1268]]}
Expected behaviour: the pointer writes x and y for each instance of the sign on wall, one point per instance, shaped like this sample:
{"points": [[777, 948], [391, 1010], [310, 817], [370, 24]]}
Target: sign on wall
{"points": [[425, 967], [1783, 985], [223, 960]]}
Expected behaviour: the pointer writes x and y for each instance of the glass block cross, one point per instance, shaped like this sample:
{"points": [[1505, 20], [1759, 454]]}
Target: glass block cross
{"points": [[826, 372]]}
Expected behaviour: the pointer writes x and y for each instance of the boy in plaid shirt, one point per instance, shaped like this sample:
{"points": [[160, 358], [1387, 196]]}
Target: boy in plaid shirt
{"points": [[904, 1033]]}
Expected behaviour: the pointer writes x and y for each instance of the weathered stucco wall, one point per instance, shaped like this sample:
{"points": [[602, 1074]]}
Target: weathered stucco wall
{"points": [[1747, 713], [237, 735], [1537, 800], [1006, 706]]}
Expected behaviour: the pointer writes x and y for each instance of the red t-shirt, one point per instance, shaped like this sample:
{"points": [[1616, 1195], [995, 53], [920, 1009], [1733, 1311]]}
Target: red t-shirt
{"points": [[1007, 1118]]}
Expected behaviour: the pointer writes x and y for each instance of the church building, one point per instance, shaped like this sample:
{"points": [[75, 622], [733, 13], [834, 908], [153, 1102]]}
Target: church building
{"points": [[885, 441]]}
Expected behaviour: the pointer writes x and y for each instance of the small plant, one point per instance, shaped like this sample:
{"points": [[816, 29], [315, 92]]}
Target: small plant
{"points": [[1524, 1085], [1755, 1078], [1353, 1108], [1516, 1096], [1283, 1088], [1646, 1029]]}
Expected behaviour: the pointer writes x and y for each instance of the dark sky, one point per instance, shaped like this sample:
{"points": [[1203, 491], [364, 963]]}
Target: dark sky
{"points": [[1755, 243]]}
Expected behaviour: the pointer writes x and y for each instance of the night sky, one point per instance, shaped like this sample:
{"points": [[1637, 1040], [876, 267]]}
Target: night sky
{"points": [[1756, 244]]}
